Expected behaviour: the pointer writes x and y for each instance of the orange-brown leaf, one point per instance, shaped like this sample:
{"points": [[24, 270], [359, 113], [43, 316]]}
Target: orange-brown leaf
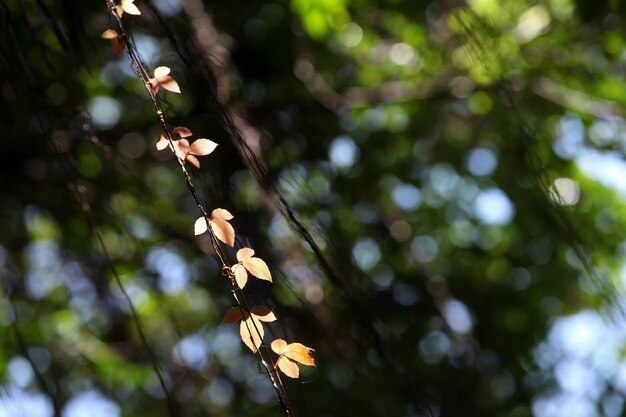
{"points": [[252, 333], [299, 353], [202, 147], [181, 132], [288, 367], [199, 226], [234, 314], [241, 276]]}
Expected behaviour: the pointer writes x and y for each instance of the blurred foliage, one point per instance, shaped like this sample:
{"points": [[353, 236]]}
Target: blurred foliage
{"points": [[456, 163]]}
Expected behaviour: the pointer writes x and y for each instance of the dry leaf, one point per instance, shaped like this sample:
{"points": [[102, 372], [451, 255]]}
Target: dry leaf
{"points": [[202, 147], [116, 40], [255, 266], [234, 314], [289, 367], [220, 226], [128, 7], [199, 226], [179, 132], [162, 143], [263, 313], [241, 276], [163, 79], [250, 329], [251, 332], [289, 354]]}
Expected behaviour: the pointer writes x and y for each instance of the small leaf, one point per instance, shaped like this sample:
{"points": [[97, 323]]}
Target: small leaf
{"points": [[202, 147], [252, 333], [263, 313], [222, 229], [193, 160], [161, 71], [279, 346], [181, 132], [288, 367], [223, 213], [244, 253], [241, 276], [109, 34], [299, 353], [129, 7], [162, 143], [170, 84], [258, 268], [233, 315], [199, 226]]}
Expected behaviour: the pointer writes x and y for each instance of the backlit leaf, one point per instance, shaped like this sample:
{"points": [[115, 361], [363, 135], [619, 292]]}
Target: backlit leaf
{"points": [[170, 84], [288, 367], [279, 346], [161, 72], [244, 253], [193, 160], [241, 276], [252, 332], [129, 7], [199, 226], [202, 147], [258, 268], [222, 229], [299, 353], [263, 313], [109, 34], [162, 143]]}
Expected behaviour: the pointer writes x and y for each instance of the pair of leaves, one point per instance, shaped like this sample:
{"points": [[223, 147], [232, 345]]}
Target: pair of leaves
{"points": [[291, 354], [249, 264], [218, 221], [250, 329], [162, 78], [127, 6], [186, 152], [116, 40]]}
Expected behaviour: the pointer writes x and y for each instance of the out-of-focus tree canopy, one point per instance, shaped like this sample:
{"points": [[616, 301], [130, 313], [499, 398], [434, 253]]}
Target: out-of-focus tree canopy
{"points": [[437, 186]]}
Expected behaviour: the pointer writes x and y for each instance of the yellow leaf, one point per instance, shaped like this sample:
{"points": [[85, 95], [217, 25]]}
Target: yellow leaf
{"points": [[244, 253], [258, 268], [279, 346], [299, 353], [252, 333], [263, 313], [288, 367], [241, 276], [222, 213]]}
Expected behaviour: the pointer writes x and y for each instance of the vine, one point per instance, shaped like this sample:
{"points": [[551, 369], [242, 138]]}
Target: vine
{"points": [[286, 356]]}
